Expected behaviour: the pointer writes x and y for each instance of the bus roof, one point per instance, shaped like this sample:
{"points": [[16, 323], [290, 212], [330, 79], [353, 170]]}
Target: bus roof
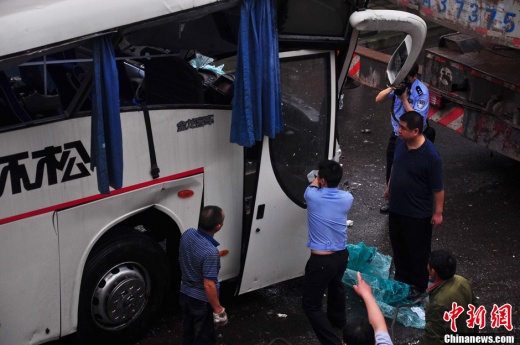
{"points": [[38, 23]]}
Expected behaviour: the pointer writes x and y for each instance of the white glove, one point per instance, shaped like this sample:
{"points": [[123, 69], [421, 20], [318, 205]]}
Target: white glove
{"points": [[220, 319], [312, 175]]}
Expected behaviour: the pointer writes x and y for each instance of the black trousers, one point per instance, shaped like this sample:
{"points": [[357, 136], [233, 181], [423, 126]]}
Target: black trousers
{"points": [[197, 321], [390, 155], [411, 240], [323, 273]]}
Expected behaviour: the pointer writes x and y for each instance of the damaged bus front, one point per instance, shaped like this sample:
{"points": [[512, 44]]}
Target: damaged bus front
{"points": [[74, 259]]}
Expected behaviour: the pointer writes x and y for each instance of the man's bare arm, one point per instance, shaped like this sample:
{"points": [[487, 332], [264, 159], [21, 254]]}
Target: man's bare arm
{"points": [[383, 94], [211, 293], [375, 317], [439, 207]]}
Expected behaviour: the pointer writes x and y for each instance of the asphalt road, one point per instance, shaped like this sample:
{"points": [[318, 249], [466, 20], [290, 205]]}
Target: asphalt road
{"points": [[481, 226]]}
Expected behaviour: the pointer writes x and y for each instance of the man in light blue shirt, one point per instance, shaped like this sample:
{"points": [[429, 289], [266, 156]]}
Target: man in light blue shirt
{"points": [[327, 209]]}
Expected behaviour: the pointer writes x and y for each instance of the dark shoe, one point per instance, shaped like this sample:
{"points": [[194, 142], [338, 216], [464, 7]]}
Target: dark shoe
{"points": [[385, 208], [415, 293]]}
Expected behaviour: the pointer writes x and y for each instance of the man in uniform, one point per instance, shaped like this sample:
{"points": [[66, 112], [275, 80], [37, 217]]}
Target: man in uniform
{"points": [[327, 212]]}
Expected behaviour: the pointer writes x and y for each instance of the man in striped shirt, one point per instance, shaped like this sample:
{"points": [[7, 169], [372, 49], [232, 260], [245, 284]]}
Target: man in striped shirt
{"points": [[199, 296]]}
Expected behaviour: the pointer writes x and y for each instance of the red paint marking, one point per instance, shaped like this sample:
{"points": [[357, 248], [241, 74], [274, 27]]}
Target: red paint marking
{"points": [[354, 70], [431, 112], [435, 100], [487, 77], [427, 11], [100, 196], [516, 41], [451, 116], [459, 129], [452, 94], [475, 73], [481, 30]]}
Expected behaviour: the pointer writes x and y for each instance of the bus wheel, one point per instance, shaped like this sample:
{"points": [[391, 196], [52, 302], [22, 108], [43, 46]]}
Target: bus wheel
{"points": [[124, 283]]}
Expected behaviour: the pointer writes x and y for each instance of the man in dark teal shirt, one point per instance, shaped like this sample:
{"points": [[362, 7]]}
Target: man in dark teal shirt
{"points": [[416, 194]]}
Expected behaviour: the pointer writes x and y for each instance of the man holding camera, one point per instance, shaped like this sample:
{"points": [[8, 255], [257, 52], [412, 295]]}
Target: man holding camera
{"points": [[410, 95]]}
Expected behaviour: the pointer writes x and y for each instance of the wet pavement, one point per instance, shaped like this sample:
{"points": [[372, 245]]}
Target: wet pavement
{"points": [[481, 226]]}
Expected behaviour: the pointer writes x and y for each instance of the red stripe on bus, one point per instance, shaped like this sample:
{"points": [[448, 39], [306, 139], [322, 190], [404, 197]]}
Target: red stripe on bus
{"points": [[100, 196], [451, 116]]}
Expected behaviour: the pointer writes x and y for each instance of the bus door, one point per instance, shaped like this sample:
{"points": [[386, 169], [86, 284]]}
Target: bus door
{"points": [[275, 245]]}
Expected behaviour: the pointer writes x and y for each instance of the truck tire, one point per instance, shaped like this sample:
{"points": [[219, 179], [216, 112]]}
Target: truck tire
{"points": [[123, 285]]}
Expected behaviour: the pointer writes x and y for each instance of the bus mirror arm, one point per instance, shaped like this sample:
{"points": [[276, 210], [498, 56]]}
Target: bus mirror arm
{"points": [[388, 20]]}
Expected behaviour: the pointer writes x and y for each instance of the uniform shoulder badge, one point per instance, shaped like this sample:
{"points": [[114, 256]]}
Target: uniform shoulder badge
{"points": [[419, 90]]}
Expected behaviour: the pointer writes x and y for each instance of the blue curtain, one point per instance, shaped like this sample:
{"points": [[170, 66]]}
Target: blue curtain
{"points": [[257, 99], [107, 140]]}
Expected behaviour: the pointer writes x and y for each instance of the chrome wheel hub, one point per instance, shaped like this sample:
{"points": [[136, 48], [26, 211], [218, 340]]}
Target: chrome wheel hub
{"points": [[120, 296]]}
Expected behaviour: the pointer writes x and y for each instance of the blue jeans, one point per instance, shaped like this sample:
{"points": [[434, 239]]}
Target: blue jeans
{"points": [[323, 273], [197, 321]]}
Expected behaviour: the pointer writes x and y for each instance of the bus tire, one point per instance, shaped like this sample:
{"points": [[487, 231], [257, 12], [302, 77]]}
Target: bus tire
{"points": [[123, 285]]}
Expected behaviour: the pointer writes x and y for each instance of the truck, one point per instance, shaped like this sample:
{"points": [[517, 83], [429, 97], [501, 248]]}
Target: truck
{"points": [[80, 256], [473, 74]]}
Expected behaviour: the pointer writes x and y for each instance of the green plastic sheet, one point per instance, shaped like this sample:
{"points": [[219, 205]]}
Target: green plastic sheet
{"points": [[389, 294]]}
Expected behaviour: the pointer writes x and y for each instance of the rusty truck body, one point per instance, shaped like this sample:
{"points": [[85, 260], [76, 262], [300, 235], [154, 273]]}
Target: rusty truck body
{"points": [[473, 74]]}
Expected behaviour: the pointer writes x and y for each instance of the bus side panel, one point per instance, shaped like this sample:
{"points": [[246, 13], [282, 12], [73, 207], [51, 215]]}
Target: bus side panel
{"points": [[77, 236], [47, 167], [192, 137], [29, 281], [203, 145], [43, 168]]}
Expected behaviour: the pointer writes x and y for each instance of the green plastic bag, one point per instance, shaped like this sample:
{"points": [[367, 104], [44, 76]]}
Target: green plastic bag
{"points": [[375, 270]]}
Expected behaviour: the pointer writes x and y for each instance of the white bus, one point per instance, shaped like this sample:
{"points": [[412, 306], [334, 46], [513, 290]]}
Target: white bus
{"points": [[74, 260]]}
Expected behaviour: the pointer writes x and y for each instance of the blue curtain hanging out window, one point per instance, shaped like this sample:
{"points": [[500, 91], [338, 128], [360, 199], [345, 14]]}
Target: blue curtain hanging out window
{"points": [[256, 104], [107, 139]]}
